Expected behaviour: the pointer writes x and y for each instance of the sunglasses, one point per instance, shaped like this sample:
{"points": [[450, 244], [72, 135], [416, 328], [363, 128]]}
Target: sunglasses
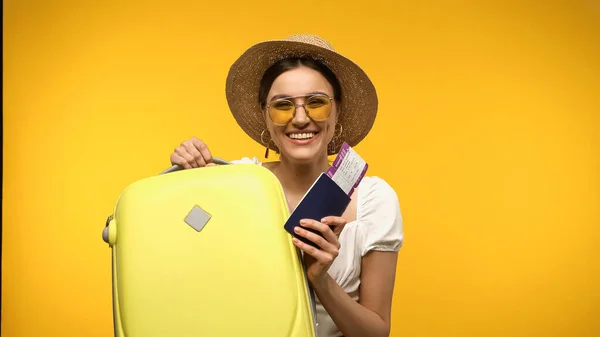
{"points": [[317, 107]]}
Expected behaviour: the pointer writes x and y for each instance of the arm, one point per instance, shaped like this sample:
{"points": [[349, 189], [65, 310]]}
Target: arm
{"points": [[379, 238], [372, 315]]}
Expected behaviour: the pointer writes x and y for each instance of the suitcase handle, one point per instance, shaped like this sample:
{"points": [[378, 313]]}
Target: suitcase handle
{"points": [[173, 168]]}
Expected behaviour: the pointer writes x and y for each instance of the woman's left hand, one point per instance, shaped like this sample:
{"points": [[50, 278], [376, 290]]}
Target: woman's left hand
{"points": [[317, 260]]}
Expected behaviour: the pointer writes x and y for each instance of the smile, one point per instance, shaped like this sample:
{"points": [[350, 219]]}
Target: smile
{"points": [[302, 136]]}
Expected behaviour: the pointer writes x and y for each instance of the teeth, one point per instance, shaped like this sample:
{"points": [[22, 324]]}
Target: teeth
{"points": [[302, 135]]}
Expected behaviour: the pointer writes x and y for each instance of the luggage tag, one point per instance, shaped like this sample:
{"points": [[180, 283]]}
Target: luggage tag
{"points": [[331, 193]]}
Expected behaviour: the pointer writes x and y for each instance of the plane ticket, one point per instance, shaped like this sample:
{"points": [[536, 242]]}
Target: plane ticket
{"points": [[348, 169]]}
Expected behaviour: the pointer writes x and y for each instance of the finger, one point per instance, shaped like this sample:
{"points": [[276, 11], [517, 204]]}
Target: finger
{"points": [[203, 149], [317, 239], [193, 151], [189, 159], [176, 159], [327, 242], [211, 164], [336, 223], [324, 229], [320, 255]]}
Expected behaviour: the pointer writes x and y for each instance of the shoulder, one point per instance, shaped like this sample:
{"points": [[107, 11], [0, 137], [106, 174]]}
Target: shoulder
{"points": [[379, 216], [375, 193]]}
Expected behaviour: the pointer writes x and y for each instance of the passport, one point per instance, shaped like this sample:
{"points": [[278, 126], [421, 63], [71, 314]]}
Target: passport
{"points": [[330, 194]]}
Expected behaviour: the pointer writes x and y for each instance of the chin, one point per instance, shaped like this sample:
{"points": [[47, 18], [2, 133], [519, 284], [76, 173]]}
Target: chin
{"points": [[303, 151], [303, 154]]}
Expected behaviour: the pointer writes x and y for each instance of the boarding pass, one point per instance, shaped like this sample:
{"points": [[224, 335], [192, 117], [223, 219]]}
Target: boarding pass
{"points": [[348, 169]]}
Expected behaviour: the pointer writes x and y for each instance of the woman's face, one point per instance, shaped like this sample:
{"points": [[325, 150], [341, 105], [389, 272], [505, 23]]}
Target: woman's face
{"points": [[302, 139]]}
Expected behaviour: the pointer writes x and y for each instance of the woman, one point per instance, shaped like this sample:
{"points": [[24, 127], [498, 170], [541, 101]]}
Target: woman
{"points": [[300, 98]]}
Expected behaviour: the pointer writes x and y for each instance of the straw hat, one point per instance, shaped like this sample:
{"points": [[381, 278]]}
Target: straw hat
{"points": [[359, 97]]}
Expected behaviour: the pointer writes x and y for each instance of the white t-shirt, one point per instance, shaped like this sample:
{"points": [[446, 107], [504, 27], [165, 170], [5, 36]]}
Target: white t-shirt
{"points": [[378, 226]]}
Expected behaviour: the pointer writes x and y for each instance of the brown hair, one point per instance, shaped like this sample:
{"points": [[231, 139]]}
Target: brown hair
{"points": [[291, 63]]}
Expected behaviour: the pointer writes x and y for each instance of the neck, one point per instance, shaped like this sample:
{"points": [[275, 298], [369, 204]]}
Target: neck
{"points": [[298, 178]]}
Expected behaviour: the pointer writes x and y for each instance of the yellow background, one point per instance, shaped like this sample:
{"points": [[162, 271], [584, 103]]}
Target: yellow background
{"points": [[488, 130]]}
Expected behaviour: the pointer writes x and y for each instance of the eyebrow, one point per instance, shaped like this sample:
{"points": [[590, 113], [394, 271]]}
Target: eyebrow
{"points": [[288, 96]]}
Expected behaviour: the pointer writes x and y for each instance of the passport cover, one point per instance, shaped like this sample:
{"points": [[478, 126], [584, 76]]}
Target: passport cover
{"points": [[324, 198]]}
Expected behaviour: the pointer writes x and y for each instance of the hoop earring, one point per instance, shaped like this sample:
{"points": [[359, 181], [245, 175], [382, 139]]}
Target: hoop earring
{"points": [[331, 147], [266, 143], [339, 133]]}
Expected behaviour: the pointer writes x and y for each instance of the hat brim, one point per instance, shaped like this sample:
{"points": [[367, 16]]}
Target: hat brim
{"points": [[359, 96]]}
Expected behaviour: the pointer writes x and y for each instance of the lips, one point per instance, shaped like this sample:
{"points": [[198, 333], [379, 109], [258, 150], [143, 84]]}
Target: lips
{"points": [[302, 138]]}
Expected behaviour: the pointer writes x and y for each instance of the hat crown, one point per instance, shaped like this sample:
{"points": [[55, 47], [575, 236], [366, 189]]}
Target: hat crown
{"points": [[310, 39]]}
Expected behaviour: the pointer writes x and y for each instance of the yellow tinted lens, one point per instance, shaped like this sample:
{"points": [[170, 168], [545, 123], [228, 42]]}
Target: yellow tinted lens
{"points": [[281, 112], [318, 107]]}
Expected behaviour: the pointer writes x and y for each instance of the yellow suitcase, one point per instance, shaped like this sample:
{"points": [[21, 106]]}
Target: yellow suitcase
{"points": [[203, 252]]}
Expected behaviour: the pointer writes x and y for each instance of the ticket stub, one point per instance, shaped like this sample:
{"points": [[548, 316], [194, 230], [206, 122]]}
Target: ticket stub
{"points": [[348, 169]]}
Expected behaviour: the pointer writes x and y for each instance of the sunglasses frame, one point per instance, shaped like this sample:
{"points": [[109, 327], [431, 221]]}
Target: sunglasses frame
{"points": [[307, 97]]}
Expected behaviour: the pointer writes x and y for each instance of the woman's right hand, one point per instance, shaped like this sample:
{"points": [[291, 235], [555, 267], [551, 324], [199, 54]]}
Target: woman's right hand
{"points": [[191, 154]]}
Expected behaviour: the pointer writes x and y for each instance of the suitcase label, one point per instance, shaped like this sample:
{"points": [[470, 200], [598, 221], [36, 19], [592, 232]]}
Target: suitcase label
{"points": [[197, 218]]}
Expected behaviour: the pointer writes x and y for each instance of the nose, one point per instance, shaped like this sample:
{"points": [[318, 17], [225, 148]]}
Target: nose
{"points": [[300, 117]]}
